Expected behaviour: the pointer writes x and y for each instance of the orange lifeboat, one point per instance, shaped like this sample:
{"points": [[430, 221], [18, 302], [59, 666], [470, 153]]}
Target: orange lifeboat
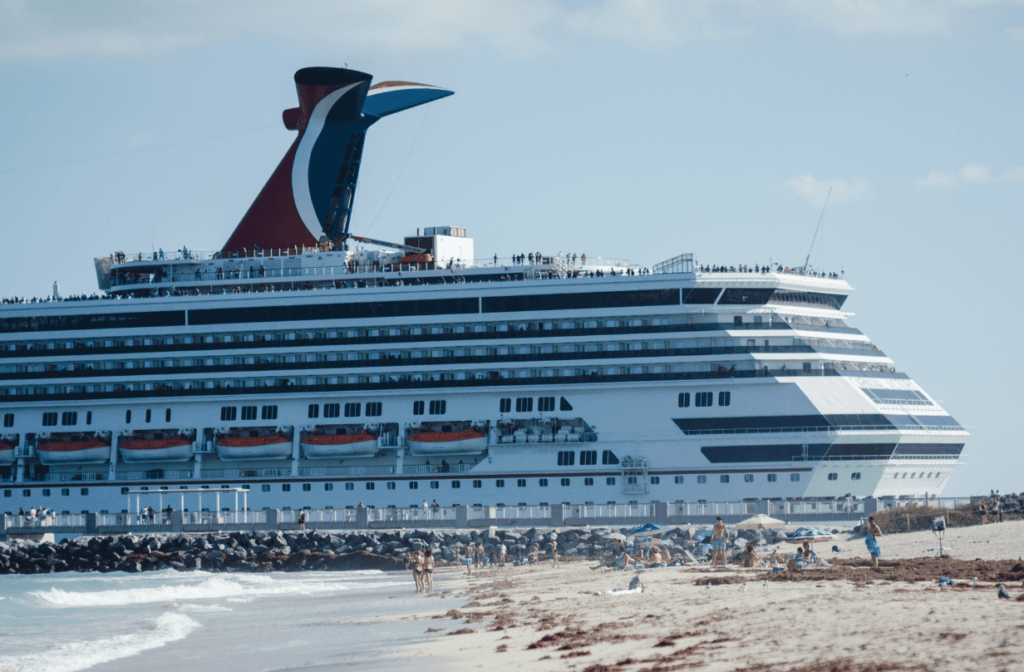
{"points": [[6, 452], [445, 443], [64, 452], [273, 446], [177, 449], [422, 258], [323, 446]]}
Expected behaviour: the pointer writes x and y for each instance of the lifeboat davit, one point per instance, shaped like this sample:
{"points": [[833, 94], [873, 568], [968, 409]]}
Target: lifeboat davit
{"points": [[323, 446], [270, 447], [178, 449], [6, 452], [446, 443], [63, 452]]}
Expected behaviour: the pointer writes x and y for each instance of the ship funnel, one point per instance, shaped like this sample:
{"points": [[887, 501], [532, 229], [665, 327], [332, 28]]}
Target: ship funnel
{"points": [[310, 195]]}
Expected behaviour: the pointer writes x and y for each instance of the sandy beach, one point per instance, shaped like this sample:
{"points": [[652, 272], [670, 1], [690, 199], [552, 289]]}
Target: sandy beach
{"points": [[848, 617]]}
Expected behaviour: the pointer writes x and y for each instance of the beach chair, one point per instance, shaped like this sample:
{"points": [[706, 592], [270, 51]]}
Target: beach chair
{"points": [[693, 559]]}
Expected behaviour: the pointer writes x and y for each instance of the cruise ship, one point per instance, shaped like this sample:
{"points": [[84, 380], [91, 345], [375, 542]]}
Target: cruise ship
{"points": [[320, 369]]}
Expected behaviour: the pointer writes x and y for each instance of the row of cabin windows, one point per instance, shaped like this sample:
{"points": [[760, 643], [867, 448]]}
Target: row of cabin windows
{"points": [[352, 410], [525, 405], [704, 399], [46, 492], [67, 418], [229, 413], [567, 458], [724, 478], [855, 476]]}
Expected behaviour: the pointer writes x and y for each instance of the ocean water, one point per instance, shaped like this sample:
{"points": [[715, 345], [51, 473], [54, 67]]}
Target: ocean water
{"points": [[171, 620]]}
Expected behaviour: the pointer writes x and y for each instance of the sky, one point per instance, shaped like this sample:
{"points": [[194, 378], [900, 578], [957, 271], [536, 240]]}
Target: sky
{"points": [[636, 129]]}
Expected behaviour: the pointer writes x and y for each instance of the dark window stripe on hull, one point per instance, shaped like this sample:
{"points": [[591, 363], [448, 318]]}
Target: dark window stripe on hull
{"points": [[780, 423], [818, 451], [336, 311], [585, 301]]}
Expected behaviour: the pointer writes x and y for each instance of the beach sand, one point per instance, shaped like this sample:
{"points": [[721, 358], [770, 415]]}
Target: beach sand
{"points": [[846, 618]]}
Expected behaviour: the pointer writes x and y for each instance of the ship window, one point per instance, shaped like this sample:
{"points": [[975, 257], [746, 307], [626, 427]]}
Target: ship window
{"points": [[414, 485], [610, 480], [332, 410], [524, 405], [350, 486], [794, 477], [370, 485], [8, 419], [391, 485], [314, 411], [565, 482], [563, 404], [504, 406], [456, 484], [167, 415], [521, 483], [352, 410], [855, 476], [724, 478], [748, 478], [417, 408], [655, 480], [478, 484], [328, 486], [248, 412], [566, 458], [684, 399], [149, 414], [65, 492], [438, 407], [772, 478], [228, 413], [434, 485], [88, 418], [269, 413], [69, 418], [306, 487], [833, 476], [286, 487], [124, 491], [701, 294], [679, 480], [588, 481], [500, 483], [374, 408], [588, 457], [543, 482], [545, 404], [608, 457], [50, 419], [705, 399], [724, 398], [701, 478]]}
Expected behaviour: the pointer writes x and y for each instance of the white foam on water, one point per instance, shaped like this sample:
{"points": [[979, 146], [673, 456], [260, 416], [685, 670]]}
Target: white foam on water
{"points": [[234, 588], [75, 656], [200, 609]]}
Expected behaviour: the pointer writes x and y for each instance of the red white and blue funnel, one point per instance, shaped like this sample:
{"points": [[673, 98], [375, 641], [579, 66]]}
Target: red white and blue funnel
{"points": [[309, 197]]}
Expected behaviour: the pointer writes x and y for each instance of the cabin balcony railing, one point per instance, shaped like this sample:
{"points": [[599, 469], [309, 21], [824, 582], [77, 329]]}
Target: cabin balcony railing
{"points": [[370, 470], [437, 468], [74, 478]]}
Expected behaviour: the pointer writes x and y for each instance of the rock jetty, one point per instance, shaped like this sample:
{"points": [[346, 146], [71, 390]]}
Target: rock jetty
{"points": [[315, 550]]}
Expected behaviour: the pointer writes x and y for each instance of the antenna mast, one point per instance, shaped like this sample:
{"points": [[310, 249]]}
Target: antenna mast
{"points": [[820, 220]]}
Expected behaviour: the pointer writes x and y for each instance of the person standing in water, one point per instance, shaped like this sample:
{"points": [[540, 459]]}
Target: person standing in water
{"points": [[428, 569], [417, 571]]}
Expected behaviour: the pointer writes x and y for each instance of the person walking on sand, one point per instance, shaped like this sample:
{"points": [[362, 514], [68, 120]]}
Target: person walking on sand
{"points": [[983, 510], [719, 535], [469, 558], [478, 556], [554, 553], [871, 540], [501, 555], [428, 569]]}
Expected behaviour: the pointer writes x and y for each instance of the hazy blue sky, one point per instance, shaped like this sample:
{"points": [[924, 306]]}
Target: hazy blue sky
{"points": [[633, 129]]}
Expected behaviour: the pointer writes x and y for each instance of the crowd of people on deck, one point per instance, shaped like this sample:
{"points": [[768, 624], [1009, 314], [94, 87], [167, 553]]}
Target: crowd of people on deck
{"points": [[776, 268]]}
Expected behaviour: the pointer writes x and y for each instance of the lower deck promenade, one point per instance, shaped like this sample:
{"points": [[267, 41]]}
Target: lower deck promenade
{"points": [[454, 517]]}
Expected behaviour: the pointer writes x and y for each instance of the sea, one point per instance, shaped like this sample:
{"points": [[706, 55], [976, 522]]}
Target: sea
{"points": [[170, 620]]}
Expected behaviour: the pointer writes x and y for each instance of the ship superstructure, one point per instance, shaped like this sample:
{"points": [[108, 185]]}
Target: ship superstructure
{"points": [[320, 370]]}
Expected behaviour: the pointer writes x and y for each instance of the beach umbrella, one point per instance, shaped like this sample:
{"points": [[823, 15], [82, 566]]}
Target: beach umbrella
{"points": [[760, 521], [647, 527]]}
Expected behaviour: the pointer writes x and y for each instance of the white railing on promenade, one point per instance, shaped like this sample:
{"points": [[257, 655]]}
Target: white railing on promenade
{"points": [[49, 520], [316, 516], [509, 512], [410, 514]]}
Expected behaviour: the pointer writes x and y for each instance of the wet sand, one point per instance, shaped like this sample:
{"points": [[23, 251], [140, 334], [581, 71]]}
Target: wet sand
{"points": [[848, 618]]}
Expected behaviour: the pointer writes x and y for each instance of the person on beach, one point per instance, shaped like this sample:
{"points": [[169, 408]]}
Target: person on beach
{"points": [[502, 550], [997, 510], [554, 553], [417, 570], [428, 569], [302, 520], [469, 558], [749, 556], [719, 535], [871, 540], [983, 510], [533, 554], [478, 555]]}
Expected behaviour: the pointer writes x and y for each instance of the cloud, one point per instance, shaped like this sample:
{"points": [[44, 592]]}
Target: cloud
{"points": [[816, 191], [937, 180], [1015, 174], [56, 29], [972, 172]]}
